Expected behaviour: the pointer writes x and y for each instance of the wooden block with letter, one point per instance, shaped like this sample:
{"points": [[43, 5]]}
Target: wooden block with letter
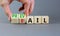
{"points": [[30, 19], [22, 18], [37, 19], [14, 18], [45, 19]]}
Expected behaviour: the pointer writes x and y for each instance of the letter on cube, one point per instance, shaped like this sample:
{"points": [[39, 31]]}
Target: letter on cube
{"points": [[37, 19], [22, 18], [30, 19], [14, 18], [45, 19]]}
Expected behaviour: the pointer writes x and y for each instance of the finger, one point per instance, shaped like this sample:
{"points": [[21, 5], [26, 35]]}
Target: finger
{"points": [[26, 8], [27, 14], [9, 18], [10, 1], [31, 7]]}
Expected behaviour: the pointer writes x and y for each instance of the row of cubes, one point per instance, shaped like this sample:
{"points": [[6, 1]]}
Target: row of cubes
{"points": [[22, 18]]}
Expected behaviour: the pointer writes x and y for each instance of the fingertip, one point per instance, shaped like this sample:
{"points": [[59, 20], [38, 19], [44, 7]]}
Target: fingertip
{"points": [[9, 19]]}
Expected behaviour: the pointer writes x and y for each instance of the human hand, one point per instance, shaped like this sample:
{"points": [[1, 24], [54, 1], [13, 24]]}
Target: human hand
{"points": [[27, 6]]}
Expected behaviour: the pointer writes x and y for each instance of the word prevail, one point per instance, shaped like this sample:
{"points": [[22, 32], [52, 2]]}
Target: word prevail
{"points": [[21, 18]]}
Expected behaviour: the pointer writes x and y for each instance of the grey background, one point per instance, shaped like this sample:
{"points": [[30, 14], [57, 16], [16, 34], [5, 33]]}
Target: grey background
{"points": [[42, 7]]}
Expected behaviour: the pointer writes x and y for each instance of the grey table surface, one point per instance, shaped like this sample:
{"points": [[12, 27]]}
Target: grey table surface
{"points": [[42, 7]]}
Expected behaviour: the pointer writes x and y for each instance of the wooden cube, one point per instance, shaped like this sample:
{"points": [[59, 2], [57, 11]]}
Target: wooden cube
{"points": [[37, 19], [22, 18], [30, 19], [14, 18], [45, 19]]}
